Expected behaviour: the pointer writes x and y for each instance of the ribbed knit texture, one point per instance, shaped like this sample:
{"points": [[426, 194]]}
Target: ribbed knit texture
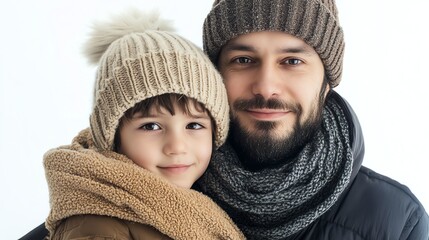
{"points": [[83, 180], [313, 21], [276, 203], [144, 64]]}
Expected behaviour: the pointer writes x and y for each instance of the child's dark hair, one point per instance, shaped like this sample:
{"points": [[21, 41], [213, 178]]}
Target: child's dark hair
{"points": [[164, 101]]}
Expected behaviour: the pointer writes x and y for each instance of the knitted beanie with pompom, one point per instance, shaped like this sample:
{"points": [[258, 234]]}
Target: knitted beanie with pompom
{"points": [[139, 57]]}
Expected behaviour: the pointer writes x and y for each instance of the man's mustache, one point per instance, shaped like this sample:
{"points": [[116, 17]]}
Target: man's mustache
{"points": [[260, 102]]}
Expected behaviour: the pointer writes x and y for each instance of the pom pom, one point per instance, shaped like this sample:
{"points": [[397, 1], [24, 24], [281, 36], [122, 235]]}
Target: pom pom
{"points": [[131, 21]]}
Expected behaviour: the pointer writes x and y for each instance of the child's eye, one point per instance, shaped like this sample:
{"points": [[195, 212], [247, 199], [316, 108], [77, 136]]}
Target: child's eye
{"points": [[150, 127], [194, 126]]}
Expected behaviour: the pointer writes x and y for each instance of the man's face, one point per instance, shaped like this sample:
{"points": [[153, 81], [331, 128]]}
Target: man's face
{"points": [[274, 83]]}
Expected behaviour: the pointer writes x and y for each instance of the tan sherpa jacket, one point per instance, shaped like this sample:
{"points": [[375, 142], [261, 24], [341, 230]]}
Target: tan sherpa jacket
{"points": [[84, 181]]}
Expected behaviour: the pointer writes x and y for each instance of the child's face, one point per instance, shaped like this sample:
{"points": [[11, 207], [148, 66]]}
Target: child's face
{"points": [[177, 147]]}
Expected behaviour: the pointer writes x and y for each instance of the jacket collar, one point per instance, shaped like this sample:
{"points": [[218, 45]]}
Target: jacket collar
{"points": [[356, 135]]}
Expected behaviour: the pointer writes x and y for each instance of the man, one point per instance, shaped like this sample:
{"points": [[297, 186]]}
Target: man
{"points": [[291, 167]]}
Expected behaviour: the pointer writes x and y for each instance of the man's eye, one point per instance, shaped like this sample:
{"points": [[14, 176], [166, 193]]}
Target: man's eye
{"points": [[292, 61], [150, 127], [242, 60], [194, 126]]}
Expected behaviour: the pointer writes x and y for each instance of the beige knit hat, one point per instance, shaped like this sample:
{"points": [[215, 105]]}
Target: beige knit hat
{"points": [[314, 21], [139, 57]]}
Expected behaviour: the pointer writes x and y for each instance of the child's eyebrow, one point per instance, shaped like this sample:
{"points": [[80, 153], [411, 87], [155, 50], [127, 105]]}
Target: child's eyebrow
{"points": [[200, 115], [149, 115]]}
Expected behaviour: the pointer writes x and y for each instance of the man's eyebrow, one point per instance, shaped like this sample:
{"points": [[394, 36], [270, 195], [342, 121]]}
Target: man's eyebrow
{"points": [[299, 49], [247, 48], [239, 47]]}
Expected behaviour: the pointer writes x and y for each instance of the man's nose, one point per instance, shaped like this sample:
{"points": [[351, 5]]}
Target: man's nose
{"points": [[267, 81]]}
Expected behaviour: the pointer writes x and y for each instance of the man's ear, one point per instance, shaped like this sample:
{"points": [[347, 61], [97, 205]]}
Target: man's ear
{"points": [[327, 89]]}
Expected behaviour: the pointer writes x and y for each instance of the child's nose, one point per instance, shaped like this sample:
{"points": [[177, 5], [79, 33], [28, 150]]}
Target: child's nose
{"points": [[175, 143]]}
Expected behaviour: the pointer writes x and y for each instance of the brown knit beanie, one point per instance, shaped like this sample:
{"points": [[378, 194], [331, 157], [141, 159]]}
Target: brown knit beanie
{"points": [[139, 57], [313, 21]]}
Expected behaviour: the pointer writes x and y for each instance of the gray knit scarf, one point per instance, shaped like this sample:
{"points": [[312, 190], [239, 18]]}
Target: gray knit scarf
{"points": [[276, 203]]}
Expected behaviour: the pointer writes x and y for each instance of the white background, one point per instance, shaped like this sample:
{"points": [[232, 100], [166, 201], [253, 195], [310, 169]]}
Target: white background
{"points": [[46, 87]]}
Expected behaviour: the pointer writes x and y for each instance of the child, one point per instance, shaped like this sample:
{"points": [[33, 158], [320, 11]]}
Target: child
{"points": [[160, 109]]}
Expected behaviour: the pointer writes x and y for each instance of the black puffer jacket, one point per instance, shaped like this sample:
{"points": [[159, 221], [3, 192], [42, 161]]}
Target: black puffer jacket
{"points": [[373, 207]]}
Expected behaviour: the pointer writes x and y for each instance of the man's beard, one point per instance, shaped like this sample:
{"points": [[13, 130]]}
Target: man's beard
{"points": [[261, 150]]}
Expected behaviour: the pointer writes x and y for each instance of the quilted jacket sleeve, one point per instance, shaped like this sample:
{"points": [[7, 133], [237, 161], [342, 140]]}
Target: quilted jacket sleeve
{"points": [[421, 229], [92, 227]]}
